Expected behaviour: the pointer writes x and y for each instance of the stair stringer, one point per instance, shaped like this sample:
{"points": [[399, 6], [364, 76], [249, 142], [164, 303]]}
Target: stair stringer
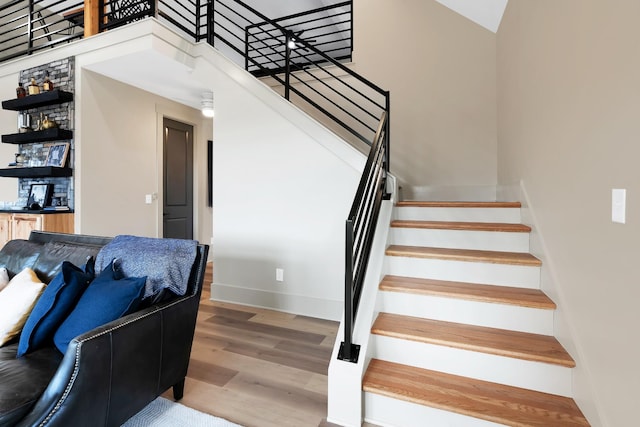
{"points": [[345, 397]]}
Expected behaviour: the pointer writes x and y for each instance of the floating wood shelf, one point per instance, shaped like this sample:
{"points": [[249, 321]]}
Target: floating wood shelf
{"points": [[36, 172], [39, 100], [54, 134]]}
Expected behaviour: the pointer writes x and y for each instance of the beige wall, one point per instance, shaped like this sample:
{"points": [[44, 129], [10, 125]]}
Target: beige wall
{"points": [[119, 154], [568, 115], [8, 124], [440, 69]]}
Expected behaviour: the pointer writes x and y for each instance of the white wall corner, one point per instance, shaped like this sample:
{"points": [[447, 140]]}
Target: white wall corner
{"points": [[509, 193], [584, 393], [344, 403]]}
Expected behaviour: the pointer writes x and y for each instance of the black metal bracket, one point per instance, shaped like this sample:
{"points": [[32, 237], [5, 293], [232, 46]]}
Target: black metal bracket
{"points": [[354, 353]]}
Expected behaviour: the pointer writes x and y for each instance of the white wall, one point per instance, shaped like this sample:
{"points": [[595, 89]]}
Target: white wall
{"points": [[280, 201], [568, 102]]}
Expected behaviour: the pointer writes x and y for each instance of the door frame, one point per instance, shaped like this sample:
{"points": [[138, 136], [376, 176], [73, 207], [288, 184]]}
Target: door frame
{"points": [[162, 113]]}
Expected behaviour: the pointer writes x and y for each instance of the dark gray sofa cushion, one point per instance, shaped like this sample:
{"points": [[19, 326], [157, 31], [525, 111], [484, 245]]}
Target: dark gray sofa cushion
{"points": [[23, 380]]}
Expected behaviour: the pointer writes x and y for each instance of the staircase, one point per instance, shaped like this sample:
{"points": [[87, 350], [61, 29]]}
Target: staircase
{"points": [[465, 336]]}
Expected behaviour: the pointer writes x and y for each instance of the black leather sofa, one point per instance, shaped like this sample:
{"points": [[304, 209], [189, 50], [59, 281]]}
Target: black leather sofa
{"points": [[108, 374]]}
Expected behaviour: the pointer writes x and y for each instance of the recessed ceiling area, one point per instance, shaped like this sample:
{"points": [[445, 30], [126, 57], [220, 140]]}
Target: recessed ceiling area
{"points": [[487, 13]]}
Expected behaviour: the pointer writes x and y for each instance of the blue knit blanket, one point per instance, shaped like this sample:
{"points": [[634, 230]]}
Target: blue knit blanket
{"points": [[167, 263]]}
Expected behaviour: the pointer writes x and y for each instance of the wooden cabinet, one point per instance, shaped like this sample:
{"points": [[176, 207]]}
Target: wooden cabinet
{"points": [[20, 225], [5, 228]]}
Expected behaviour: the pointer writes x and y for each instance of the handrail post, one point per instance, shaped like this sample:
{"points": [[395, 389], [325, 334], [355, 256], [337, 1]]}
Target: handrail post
{"points": [[287, 65], [246, 48], [387, 145], [198, 17], [348, 292], [210, 22], [351, 24], [30, 27]]}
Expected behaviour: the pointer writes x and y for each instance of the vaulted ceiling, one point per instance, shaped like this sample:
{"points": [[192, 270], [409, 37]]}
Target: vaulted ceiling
{"points": [[487, 13]]}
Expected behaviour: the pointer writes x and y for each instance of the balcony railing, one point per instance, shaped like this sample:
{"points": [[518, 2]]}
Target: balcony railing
{"points": [[28, 26]]}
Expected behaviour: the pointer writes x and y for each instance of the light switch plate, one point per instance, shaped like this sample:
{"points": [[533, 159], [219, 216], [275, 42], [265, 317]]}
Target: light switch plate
{"points": [[618, 205]]}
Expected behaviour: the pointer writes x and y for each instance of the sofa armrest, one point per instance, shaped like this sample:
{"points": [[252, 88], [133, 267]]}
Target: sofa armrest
{"points": [[112, 372]]}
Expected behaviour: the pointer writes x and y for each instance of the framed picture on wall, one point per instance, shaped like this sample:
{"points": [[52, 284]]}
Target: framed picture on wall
{"points": [[58, 154]]}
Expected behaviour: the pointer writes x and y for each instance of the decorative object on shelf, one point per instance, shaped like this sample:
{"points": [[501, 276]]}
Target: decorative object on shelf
{"points": [[24, 122], [19, 159], [39, 196], [58, 155], [48, 123], [21, 92], [47, 85], [34, 89]]}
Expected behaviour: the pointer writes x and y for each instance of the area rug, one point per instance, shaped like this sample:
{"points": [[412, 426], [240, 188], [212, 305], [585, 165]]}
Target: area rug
{"points": [[165, 413]]}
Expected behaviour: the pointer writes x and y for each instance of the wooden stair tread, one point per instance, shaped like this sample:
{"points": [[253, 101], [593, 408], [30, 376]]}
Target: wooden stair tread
{"points": [[470, 255], [522, 297], [480, 399], [442, 204], [500, 342], [464, 226]]}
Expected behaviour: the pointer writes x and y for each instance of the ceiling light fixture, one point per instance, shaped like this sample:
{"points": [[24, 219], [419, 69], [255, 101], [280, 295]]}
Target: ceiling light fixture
{"points": [[207, 104]]}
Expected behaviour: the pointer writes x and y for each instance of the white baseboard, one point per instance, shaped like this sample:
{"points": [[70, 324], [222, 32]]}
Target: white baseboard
{"points": [[296, 304]]}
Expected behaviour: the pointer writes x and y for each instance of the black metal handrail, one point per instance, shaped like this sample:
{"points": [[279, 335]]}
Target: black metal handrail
{"points": [[360, 231], [27, 26]]}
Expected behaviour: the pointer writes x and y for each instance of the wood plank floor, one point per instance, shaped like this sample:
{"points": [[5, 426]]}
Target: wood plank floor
{"points": [[258, 367]]}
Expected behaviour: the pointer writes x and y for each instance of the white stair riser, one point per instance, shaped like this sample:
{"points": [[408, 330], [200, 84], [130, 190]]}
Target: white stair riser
{"points": [[493, 315], [463, 271], [508, 215], [544, 377], [388, 412], [458, 239]]}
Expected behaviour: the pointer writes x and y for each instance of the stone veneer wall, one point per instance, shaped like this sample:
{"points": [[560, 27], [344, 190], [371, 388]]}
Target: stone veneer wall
{"points": [[62, 74]]}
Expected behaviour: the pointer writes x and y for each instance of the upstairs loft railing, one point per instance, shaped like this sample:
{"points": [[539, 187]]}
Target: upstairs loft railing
{"points": [[329, 29], [28, 26], [305, 58], [303, 52]]}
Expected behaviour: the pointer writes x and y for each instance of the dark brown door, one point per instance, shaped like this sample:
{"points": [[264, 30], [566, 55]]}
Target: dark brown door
{"points": [[178, 180]]}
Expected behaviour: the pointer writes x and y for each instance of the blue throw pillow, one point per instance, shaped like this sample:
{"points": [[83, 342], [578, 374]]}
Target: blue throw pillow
{"points": [[52, 307], [109, 297]]}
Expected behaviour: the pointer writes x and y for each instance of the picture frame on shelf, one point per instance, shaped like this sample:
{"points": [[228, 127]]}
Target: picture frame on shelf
{"points": [[58, 154], [39, 196]]}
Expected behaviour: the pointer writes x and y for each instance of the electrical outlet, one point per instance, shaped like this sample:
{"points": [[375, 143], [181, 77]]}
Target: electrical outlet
{"points": [[279, 275]]}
